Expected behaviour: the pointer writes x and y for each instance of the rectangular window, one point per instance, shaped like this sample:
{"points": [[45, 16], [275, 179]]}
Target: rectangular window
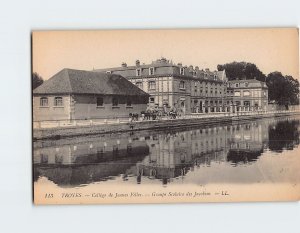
{"points": [[44, 102], [151, 100], [138, 72], [139, 85], [181, 85], [108, 72], [246, 103], [58, 101], [128, 102], [99, 101], [152, 85], [115, 101], [151, 71]]}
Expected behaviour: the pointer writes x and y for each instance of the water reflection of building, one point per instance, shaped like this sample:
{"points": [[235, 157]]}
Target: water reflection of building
{"points": [[161, 155], [173, 155], [247, 142], [82, 163]]}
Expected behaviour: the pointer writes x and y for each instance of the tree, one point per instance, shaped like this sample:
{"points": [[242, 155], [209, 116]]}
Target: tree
{"points": [[284, 90], [37, 80], [242, 70]]}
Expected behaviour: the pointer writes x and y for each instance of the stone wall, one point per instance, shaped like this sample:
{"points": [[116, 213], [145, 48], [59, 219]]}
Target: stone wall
{"points": [[57, 133]]}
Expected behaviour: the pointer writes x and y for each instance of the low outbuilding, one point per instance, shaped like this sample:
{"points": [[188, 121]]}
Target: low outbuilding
{"points": [[76, 94]]}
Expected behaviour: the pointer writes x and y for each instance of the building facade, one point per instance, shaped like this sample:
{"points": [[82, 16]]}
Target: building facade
{"points": [[188, 89], [76, 94], [247, 95]]}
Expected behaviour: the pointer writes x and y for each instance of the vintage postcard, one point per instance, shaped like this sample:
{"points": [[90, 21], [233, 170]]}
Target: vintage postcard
{"points": [[165, 116]]}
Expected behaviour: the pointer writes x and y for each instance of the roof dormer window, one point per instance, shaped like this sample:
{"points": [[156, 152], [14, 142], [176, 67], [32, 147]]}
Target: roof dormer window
{"points": [[138, 72], [151, 71], [182, 71]]}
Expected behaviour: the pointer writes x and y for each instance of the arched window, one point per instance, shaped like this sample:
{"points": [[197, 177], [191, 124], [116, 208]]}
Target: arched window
{"points": [[237, 93], [246, 93], [43, 101], [58, 101]]}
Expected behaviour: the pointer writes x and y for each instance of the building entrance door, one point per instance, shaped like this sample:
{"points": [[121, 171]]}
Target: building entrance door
{"points": [[182, 106]]}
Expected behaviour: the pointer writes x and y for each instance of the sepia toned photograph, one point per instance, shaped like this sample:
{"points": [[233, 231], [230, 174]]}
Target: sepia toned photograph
{"points": [[165, 116]]}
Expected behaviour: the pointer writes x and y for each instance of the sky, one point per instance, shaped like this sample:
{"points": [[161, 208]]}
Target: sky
{"points": [[270, 49]]}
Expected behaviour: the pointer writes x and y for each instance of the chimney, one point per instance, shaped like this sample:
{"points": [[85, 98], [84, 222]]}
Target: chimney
{"points": [[124, 64], [163, 60], [137, 63]]}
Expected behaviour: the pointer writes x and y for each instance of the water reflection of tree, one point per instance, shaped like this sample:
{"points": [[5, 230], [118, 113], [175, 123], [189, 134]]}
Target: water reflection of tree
{"points": [[243, 156], [283, 135]]}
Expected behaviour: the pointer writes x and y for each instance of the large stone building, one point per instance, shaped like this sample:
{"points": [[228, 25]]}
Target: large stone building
{"points": [[186, 88], [77, 94], [247, 95]]}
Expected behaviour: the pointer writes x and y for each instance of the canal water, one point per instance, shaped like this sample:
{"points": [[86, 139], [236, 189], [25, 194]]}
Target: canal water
{"points": [[260, 151]]}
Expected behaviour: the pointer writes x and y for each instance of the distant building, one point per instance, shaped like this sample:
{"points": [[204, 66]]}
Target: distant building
{"points": [[187, 89], [76, 94], [248, 95]]}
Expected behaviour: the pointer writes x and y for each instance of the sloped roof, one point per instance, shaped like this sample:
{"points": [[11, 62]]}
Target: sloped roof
{"points": [[70, 81], [251, 82]]}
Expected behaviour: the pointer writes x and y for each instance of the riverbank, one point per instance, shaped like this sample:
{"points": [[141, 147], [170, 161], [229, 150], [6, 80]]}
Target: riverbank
{"points": [[192, 120]]}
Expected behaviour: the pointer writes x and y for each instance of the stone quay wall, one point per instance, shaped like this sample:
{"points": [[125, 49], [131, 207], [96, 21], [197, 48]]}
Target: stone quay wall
{"points": [[72, 131]]}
